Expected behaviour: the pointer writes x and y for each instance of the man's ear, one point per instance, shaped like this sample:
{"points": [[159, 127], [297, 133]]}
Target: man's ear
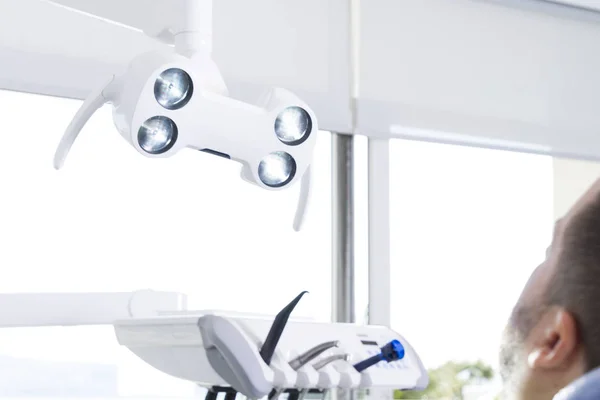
{"points": [[554, 340]]}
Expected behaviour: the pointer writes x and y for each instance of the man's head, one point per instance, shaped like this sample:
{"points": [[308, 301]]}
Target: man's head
{"points": [[553, 335]]}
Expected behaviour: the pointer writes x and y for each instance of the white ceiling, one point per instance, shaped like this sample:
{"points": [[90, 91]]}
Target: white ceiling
{"points": [[132, 13], [511, 74], [589, 4], [50, 49]]}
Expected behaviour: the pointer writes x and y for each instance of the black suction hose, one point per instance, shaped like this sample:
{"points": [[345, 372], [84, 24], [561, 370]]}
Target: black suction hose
{"points": [[268, 348]]}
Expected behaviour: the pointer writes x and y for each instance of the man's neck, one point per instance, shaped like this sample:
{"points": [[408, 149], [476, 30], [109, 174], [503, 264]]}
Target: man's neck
{"points": [[547, 387]]}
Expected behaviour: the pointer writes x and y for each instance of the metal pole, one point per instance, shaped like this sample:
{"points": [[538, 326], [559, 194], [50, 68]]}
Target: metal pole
{"points": [[343, 228]]}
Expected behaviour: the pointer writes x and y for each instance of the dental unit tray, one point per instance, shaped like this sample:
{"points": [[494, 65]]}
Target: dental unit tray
{"points": [[232, 352], [220, 349]]}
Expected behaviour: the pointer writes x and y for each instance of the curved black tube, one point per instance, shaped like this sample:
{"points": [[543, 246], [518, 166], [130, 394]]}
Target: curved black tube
{"points": [[268, 348]]}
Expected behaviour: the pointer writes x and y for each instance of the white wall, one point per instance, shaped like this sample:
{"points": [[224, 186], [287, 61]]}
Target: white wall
{"points": [[571, 179]]}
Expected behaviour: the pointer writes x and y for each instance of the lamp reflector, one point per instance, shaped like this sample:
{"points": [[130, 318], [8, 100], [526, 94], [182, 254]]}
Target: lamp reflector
{"points": [[157, 135], [293, 126], [173, 89], [277, 169]]}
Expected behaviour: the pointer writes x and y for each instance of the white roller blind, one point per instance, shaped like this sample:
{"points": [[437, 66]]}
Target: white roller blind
{"points": [[502, 74]]}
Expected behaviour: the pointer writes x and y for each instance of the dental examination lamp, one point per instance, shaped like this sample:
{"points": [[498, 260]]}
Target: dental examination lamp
{"points": [[167, 101]]}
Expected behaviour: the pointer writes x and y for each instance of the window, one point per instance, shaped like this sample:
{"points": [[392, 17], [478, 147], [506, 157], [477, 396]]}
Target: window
{"points": [[112, 220], [468, 226]]}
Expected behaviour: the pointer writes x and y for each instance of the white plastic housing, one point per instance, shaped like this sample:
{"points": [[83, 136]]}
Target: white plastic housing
{"points": [[173, 344], [307, 377], [233, 355], [210, 120], [349, 377], [74, 309], [283, 374], [329, 378]]}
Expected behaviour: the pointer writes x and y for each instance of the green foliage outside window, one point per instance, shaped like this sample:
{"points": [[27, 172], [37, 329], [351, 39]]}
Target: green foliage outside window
{"points": [[448, 381]]}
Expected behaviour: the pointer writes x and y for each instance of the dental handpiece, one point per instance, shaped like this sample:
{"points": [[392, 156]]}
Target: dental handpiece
{"points": [[311, 354], [304, 359], [390, 352], [328, 360]]}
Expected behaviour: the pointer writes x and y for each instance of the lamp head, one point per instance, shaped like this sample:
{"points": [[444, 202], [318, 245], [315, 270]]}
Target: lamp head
{"points": [[162, 108], [166, 102]]}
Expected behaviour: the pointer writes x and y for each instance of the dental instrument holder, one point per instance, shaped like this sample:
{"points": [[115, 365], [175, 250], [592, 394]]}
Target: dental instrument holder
{"points": [[393, 351], [300, 394], [188, 345], [306, 375], [304, 359], [233, 356]]}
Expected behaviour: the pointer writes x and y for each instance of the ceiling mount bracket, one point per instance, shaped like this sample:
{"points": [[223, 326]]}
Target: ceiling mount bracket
{"points": [[189, 31]]}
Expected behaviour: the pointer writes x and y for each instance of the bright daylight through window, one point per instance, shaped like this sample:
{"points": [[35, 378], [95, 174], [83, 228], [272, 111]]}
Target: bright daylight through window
{"points": [[468, 226], [117, 221]]}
